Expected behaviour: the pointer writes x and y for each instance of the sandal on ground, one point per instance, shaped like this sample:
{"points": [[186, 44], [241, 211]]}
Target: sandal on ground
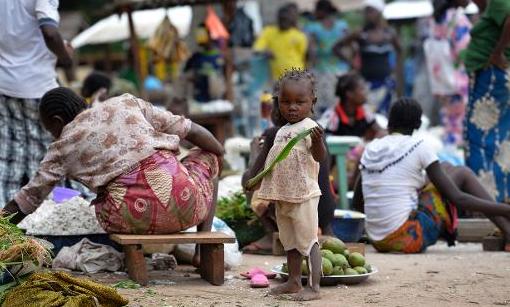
{"points": [[258, 271], [256, 249], [259, 281]]}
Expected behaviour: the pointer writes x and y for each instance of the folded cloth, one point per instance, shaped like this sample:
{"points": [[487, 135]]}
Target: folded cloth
{"points": [[89, 257], [56, 289]]}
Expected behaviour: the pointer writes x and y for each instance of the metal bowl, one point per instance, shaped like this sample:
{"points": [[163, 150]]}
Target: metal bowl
{"points": [[331, 280]]}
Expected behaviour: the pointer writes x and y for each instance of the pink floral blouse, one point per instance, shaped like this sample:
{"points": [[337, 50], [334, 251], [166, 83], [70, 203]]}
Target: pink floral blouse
{"points": [[102, 143]]}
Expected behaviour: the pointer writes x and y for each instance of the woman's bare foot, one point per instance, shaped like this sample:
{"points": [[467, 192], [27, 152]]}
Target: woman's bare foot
{"points": [[306, 294], [195, 261], [262, 246], [288, 287]]}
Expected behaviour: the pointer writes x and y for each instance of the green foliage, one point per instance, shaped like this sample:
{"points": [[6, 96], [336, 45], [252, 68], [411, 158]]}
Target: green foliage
{"points": [[234, 208], [126, 284]]}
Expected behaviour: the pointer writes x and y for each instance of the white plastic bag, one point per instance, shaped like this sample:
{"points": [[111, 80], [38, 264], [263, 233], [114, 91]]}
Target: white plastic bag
{"points": [[233, 257], [440, 66]]}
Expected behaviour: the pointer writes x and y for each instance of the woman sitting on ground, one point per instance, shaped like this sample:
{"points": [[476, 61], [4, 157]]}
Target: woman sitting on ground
{"points": [[406, 210], [126, 150]]}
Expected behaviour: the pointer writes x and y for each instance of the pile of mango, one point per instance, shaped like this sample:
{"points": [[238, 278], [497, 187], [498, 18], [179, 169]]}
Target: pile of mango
{"points": [[337, 260]]}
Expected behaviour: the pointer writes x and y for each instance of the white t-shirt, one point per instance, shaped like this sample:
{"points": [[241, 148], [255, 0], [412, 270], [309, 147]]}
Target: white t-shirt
{"points": [[27, 66], [393, 171]]}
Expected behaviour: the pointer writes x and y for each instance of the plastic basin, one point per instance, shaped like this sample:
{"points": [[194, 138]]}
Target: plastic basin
{"points": [[61, 194], [348, 227]]}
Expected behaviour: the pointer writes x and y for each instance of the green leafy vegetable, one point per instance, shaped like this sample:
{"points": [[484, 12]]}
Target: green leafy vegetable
{"points": [[234, 208], [126, 284], [280, 157]]}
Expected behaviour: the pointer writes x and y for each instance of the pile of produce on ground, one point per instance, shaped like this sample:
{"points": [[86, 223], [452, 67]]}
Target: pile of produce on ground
{"points": [[238, 215], [18, 250], [72, 217], [337, 260]]}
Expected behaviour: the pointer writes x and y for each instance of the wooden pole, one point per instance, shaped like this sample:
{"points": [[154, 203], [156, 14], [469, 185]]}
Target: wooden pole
{"points": [[135, 50], [229, 8]]}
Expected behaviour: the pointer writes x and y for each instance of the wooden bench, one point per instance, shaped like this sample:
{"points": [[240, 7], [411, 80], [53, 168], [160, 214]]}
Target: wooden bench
{"points": [[212, 265]]}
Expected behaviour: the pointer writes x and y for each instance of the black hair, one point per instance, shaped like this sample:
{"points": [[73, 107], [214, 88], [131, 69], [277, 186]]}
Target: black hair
{"points": [[293, 74], [95, 81], [345, 83], [440, 8], [63, 102], [326, 6], [405, 115]]}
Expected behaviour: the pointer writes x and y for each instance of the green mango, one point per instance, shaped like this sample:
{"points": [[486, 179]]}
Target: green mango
{"points": [[361, 270], [337, 271], [335, 245], [304, 267], [350, 271], [356, 259], [339, 260], [327, 267], [285, 268], [368, 267]]}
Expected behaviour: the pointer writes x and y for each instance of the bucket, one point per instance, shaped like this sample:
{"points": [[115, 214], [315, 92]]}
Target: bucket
{"points": [[348, 225], [61, 194]]}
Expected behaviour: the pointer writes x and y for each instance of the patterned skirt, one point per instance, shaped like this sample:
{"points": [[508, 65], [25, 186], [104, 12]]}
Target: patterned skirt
{"points": [[487, 130], [160, 195], [435, 218]]}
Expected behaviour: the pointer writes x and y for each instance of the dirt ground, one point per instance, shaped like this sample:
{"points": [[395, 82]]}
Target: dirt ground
{"points": [[459, 276]]}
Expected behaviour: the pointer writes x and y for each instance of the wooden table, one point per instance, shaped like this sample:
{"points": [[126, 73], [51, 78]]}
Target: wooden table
{"points": [[212, 263], [220, 124]]}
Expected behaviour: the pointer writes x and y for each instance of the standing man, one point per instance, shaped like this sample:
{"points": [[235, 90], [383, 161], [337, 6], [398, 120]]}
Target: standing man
{"points": [[30, 46], [285, 44]]}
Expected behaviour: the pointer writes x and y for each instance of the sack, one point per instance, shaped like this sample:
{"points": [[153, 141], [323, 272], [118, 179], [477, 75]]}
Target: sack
{"points": [[440, 67], [233, 257]]}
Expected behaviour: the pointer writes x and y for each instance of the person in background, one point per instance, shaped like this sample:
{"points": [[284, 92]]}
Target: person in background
{"points": [[451, 24], [206, 67], [96, 87], [323, 35], [411, 199], [30, 48], [378, 45], [487, 125], [348, 117], [285, 45]]}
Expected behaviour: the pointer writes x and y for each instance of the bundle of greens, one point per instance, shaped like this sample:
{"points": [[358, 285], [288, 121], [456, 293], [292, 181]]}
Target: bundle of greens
{"points": [[18, 249]]}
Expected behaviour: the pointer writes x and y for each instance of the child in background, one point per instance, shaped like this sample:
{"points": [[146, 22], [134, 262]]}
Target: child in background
{"points": [[293, 184], [349, 118], [206, 68], [96, 87], [266, 107]]}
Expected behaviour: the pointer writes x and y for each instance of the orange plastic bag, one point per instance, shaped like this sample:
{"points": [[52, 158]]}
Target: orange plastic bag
{"points": [[213, 23]]}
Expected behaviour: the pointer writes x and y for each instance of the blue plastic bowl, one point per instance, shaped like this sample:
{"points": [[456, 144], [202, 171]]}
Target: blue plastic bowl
{"points": [[348, 229], [61, 194]]}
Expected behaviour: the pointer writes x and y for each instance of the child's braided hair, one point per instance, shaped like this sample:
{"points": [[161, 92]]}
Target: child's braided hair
{"points": [[62, 102], [293, 74]]}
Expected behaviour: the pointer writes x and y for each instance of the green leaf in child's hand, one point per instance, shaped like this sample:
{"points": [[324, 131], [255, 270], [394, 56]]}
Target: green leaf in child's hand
{"points": [[280, 157]]}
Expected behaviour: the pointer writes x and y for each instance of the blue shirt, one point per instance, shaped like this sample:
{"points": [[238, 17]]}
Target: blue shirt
{"points": [[326, 38]]}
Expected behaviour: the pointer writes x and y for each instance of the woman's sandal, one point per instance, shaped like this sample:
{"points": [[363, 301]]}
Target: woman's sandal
{"points": [[258, 271], [259, 281]]}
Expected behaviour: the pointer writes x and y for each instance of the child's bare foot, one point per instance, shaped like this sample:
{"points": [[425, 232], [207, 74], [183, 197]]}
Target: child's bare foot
{"points": [[287, 288], [307, 294]]}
